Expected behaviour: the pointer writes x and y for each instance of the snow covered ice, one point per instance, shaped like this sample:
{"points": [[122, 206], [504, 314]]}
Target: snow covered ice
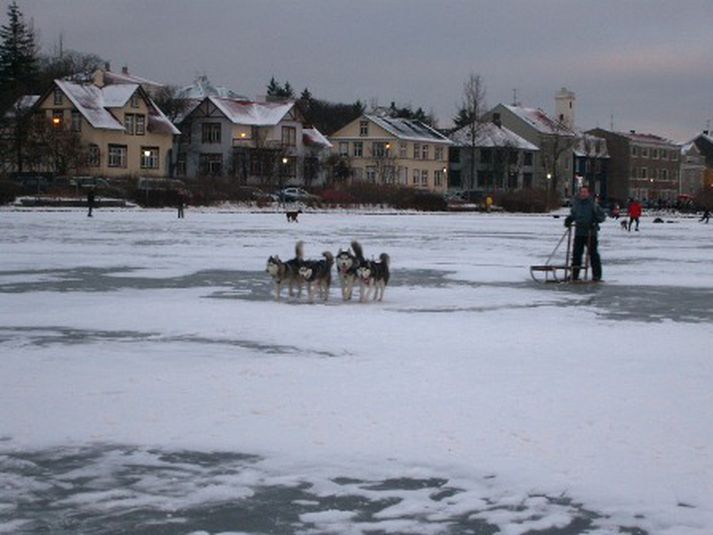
{"points": [[149, 383]]}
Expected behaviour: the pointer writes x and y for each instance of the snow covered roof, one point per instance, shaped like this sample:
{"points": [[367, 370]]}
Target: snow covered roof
{"points": [[94, 103], [202, 87], [23, 103], [407, 129], [539, 120], [312, 136], [492, 135], [89, 101], [126, 78], [646, 138], [589, 146], [246, 112]]}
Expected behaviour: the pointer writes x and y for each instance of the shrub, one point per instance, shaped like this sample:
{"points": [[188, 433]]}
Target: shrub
{"points": [[528, 201], [9, 190]]}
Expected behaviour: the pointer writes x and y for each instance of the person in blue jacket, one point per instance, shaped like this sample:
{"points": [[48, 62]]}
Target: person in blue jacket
{"points": [[586, 214]]}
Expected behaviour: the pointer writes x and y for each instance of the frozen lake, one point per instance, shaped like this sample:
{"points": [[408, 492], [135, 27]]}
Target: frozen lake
{"points": [[149, 383]]}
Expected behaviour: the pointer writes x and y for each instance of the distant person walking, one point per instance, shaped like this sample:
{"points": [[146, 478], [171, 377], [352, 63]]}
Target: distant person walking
{"points": [[586, 215], [706, 216], [181, 203], [91, 199], [634, 210]]}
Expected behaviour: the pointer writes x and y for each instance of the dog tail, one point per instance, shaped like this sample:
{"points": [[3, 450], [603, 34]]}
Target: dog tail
{"points": [[358, 252], [329, 257], [299, 250], [385, 259]]}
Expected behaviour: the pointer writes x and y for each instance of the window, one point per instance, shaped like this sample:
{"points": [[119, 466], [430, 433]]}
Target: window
{"points": [[129, 123], [378, 149], [289, 136], [416, 151], [58, 97], [363, 128], [485, 156], [371, 174], [634, 151], [643, 172], [402, 150], [210, 164], [117, 155], [181, 164], [527, 180], [289, 168], [424, 152], [664, 174], [94, 156], [674, 155], [438, 178], [644, 152], [149, 157], [135, 100], [140, 125], [343, 148], [424, 177], [528, 158], [76, 121], [655, 154], [512, 181], [416, 177], [358, 149], [438, 153], [57, 118], [512, 156], [210, 133], [664, 154], [358, 173], [634, 172]]}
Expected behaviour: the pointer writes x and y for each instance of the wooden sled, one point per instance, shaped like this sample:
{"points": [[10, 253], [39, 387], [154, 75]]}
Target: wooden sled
{"points": [[549, 272]]}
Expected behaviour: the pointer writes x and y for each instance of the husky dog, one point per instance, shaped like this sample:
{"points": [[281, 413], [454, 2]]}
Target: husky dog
{"points": [[288, 272], [347, 265], [624, 224], [318, 272], [373, 276]]}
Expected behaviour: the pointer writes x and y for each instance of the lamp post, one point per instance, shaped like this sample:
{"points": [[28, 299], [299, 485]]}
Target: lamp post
{"points": [[549, 183]]}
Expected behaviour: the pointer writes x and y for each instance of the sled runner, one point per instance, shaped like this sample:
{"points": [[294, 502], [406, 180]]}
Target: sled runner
{"points": [[553, 272]]}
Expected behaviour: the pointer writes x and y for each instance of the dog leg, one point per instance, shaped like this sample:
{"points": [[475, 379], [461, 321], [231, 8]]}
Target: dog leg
{"points": [[277, 291]]}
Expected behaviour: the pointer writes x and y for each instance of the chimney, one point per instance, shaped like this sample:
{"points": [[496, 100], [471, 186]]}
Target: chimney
{"points": [[107, 66], [496, 120], [632, 131], [705, 132], [125, 69]]}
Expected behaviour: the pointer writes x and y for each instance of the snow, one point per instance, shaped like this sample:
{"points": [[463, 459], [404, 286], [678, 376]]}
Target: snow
{"points": [[491, 135], [470, 394], [252, 113], [539, 120], [407, 129], [117, 95], [89, 102]]}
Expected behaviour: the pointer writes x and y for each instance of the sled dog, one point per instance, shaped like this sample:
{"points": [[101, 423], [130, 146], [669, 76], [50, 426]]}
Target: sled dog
{"points": [[293, 214], [287, 272], [347, 265], [318, 273], [373, 277]]}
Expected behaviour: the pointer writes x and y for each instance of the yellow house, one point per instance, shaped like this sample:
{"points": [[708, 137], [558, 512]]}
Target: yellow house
{"points": [[388, 150], [121, 130]]}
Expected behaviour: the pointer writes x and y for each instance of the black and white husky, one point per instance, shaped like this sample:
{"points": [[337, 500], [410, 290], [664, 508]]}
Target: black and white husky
{"points": [[347, 265], [373, 277], [318, 273], [287, 272]]}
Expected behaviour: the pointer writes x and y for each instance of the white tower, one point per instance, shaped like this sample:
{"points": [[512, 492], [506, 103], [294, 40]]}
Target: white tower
{"points": [[564, 107]]}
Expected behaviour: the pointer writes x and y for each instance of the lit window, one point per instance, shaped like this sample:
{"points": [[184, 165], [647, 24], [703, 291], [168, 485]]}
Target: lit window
{"points": [[57, 118], [149, 157]]}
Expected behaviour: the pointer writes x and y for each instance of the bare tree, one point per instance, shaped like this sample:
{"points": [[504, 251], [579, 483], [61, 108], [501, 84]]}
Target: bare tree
{"points": [[555, 147], [470, 114]]}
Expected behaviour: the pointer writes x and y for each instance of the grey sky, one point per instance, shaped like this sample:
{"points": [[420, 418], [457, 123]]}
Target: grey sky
{"points": [[649, 63]]}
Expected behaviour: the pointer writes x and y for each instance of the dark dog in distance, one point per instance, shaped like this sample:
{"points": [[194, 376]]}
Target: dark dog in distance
{"points": [[292, 215]]}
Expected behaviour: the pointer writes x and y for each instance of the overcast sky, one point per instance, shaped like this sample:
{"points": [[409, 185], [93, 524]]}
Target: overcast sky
{"points": [[647, 63]]}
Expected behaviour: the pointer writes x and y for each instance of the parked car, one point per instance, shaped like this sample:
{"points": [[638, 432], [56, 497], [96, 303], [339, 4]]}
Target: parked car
{"points": [[293, 194], [34, 184]]}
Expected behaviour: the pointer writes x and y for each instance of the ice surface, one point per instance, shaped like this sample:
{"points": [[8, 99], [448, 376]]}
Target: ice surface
{"points": [[148, 379]]}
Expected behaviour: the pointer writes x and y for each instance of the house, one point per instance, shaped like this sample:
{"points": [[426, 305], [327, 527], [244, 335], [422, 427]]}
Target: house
{"points": [[388, 150], [553, 164], [117, 128], [704, 144], [259, 143], [693, 170], [642, 166], [491, 158]]}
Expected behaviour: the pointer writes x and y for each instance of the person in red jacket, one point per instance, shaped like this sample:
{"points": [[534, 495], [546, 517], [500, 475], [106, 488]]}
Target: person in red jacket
{"points": [[634, 213]]}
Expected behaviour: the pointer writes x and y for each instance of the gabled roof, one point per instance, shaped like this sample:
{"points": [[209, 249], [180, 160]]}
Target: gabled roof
{"points": [[539, 120], [22, 104], [249, 113], [312, 136], [94, 104], [126, 78], [407, 129], [492, 135]]}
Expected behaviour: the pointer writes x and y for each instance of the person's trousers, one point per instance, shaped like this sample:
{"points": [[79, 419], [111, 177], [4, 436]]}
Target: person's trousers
{"points": [[631, 220], [592, 244]]}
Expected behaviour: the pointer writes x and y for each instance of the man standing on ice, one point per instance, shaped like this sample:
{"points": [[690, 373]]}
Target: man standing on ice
{"points": [[586, 215]]}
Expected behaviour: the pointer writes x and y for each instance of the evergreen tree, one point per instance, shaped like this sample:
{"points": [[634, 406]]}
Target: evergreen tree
{"points": [[287, 91], [18, 58], [273, 88]]}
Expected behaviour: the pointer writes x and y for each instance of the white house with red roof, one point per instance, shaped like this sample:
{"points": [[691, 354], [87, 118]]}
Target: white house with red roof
{"points": [[259, 143]]}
